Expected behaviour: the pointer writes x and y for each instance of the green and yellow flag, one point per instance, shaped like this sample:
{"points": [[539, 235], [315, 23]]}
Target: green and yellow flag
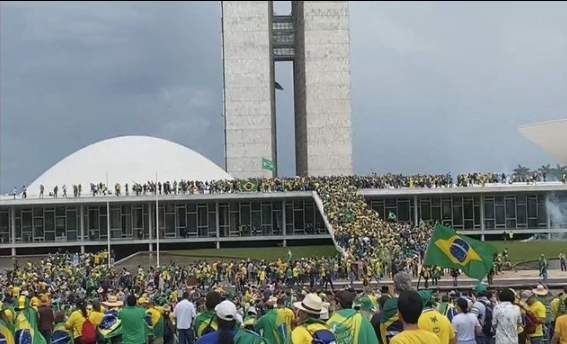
{"points": [[250, 185], [26, 327], [351, 327], [6, 332], [451, 250]]}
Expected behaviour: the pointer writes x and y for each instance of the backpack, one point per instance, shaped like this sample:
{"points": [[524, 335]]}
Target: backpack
{"points": [[531, 323], [88, 332], [487, 326], [323, 336]]}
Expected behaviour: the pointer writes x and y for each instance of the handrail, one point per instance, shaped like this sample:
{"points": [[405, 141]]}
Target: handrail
{"points": [[321, 208]]}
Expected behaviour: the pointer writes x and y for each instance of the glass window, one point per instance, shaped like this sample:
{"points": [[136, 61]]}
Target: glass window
{"points": [[245, 214], [202, 210], [446, 204], [403, 211], [510, 208], [181, 217], [488, 209], [266, 213], [500, 215], [522, 218], [425, 213]]}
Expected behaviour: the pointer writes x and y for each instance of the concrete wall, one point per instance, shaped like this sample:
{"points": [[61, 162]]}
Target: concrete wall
{"points": [[322, 88], [249, 87]]}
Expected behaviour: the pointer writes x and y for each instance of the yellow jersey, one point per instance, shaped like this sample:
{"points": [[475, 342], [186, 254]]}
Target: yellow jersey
{"points": [[415, 337], [539, 310], [435, 322]]}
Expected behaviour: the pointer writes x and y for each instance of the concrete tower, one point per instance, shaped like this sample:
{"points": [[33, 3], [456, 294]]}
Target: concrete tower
{"points": [[316, 38]]}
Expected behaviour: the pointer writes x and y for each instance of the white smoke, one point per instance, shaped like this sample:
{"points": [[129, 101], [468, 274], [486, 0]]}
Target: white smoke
{"points": [[557, 210]]}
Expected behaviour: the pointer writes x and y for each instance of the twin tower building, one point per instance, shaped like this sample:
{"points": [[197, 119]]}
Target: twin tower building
{"points": [[315, 37]]}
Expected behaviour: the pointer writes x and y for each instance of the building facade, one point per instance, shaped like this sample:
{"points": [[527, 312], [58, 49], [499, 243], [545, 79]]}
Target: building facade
{"points": [[278, 216]]}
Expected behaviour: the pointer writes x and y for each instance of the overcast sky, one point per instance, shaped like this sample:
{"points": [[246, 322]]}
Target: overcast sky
{"points": [[436, 87]]}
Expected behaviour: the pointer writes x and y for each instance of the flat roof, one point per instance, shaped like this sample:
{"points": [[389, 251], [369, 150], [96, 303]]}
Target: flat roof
{"points": [[88, 199], [489, 188]]}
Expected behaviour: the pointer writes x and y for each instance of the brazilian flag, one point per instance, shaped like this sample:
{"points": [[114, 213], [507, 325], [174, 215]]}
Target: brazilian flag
{"points": [[6, 333], [250, 185], [111, 325], [26, 328], [352, 327], [451, 250]]}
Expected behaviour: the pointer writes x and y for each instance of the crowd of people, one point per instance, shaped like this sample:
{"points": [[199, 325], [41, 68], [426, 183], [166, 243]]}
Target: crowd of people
{"points": [[72, 298], [374, 181]]}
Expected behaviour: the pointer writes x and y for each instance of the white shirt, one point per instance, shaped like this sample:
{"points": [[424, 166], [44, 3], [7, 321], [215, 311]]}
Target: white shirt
{"points": [[184, 312], [506, 319], [465, 324]]}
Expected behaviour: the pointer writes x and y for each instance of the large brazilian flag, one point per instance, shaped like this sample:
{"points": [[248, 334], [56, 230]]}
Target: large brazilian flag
{"points": [[6, 333], [26, 327], [451, 250]]}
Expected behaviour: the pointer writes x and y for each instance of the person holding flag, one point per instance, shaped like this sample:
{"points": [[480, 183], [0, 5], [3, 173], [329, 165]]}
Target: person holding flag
{"points": [[451, 250], [275, 325], [349, 325], [26, 324]]}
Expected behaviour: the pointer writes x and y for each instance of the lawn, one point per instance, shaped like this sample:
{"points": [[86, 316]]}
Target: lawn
{"points": [[524, 251], [260, 252], [519, 251]]}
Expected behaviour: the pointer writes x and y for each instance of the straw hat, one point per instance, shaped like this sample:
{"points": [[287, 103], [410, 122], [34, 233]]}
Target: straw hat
{"points": [[540, 290], [311, 304], [112, 301], [143, 301], [44, 299]]}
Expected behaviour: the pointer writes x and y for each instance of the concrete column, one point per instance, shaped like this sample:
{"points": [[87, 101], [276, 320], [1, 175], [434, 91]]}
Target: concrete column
{"points": [[150, 229], [13, 229], [284, 231], [218, 224], [415, 208], [482, 227], [82, 227]]}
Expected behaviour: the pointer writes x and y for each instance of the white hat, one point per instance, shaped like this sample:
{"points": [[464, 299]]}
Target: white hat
{"points": [[226, 310], [540, 290], [325, 311], [253, 310], [311, 304]]}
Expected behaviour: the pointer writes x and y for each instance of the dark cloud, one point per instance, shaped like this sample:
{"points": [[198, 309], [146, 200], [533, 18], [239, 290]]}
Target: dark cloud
{"points": [[436, 86]]}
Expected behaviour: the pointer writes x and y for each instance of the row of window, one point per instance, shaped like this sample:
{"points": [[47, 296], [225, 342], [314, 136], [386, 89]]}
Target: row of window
{"points": [[176, 220], [521, 211]]}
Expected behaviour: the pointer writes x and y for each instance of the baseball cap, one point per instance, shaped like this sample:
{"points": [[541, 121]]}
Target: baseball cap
{"points": [[226, 310]]}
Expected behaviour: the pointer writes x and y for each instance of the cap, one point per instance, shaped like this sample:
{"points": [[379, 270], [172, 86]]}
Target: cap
{"points": [[226, 310]]}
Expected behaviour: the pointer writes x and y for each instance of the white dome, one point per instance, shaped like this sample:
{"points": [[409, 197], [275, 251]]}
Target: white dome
{"points": [[128, 159]]}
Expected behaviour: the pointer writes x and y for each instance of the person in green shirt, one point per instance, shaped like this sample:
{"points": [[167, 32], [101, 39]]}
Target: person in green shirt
{"points": [[228, 330], [205, 322], [134, 326], [348, 324], [275, 325]]}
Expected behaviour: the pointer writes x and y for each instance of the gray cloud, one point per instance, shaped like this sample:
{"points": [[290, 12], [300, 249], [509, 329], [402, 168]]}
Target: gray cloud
{"points": [[436, 86]]}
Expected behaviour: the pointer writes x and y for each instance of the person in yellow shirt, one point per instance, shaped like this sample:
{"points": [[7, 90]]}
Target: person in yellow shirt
{"points": [[409, 311], [560, 333], [539, 310], [433, 321], [96, 314], [76, 320], [309, 324]]}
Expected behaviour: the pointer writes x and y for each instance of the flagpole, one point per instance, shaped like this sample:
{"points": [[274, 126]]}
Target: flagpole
{"points": [[157, 223]]}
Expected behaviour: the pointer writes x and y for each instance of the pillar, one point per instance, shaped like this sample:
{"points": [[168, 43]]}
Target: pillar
{"points": [[415, 208], [218, 224], [82, 227], [284, 225], [150, 228], [13, 229], [482, 227]]}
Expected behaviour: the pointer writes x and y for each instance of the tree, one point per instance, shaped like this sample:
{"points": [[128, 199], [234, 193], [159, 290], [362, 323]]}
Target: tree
{"points": [[521, 173]]}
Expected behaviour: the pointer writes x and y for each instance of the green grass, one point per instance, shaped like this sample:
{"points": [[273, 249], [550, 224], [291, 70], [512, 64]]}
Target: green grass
{"points": [[260, 252], [525, 251]]}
